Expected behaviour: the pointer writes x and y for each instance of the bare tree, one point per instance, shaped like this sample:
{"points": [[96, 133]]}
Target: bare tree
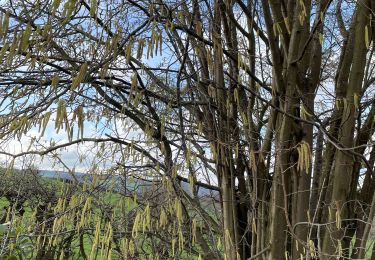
{"points": [[269, 105]]}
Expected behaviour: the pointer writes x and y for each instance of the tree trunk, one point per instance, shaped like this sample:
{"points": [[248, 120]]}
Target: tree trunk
{"points": [[342, 175]]}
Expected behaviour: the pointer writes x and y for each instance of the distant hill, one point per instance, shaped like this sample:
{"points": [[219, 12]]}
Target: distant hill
{"points": [[120, 182]]}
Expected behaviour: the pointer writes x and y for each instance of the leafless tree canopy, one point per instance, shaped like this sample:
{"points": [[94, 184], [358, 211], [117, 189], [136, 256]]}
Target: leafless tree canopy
{"points": [[254, 121]]}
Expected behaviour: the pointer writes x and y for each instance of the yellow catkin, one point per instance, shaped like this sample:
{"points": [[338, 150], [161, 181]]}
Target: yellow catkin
{"points": [[194, 230], [24, 44], [367, 41], [55, 81], [93, 7], [80, 76], [5, 26]]}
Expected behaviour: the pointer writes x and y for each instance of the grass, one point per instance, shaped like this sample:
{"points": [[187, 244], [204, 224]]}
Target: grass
{"points": [[107, 198], [100, 197], [110, 199]]}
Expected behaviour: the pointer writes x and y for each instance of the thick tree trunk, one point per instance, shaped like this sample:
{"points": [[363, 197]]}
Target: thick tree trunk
{"points": [[228, 206], [342, 175], [280, 189]]}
